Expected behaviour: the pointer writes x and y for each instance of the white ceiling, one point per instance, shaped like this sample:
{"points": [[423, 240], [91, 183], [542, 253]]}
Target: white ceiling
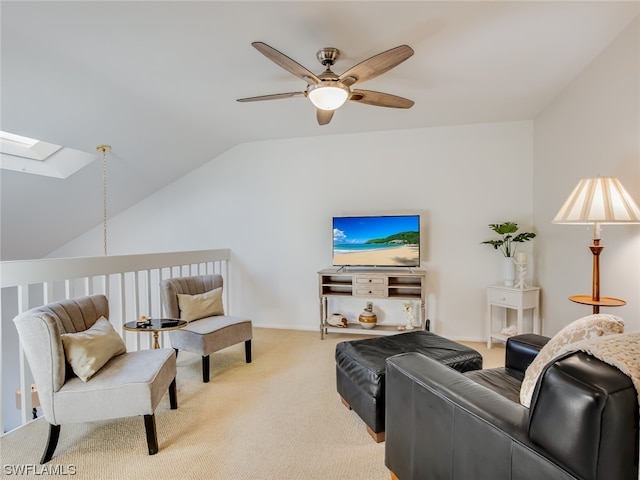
{"points": [[159, 81]]}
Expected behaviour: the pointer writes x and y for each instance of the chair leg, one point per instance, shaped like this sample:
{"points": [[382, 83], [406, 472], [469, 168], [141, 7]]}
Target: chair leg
{"points": [[247, 351], [205, 368], [173, 396], [152, 437], [52, 442]]}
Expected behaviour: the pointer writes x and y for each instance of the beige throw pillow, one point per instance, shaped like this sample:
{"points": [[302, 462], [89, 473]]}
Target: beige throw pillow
{"points": [[585, 328], [208, 304], [88, 351]]}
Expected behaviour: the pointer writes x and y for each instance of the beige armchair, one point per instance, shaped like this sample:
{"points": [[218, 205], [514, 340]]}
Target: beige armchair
{"points": [[128, 384], [198, 299]]}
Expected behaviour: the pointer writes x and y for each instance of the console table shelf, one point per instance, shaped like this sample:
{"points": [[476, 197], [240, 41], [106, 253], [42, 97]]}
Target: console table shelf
{"points": [[355, 328], [394, 284]]}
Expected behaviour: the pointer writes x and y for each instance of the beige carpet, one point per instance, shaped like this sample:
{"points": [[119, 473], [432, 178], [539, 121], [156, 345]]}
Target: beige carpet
{"points": [[276, 418]]}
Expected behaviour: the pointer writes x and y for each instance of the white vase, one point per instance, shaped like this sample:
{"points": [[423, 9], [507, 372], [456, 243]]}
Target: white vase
{"points": [[508, 271]]}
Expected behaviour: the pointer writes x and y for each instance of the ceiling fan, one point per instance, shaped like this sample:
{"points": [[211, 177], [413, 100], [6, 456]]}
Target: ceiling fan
{"points": [[329, 91]]}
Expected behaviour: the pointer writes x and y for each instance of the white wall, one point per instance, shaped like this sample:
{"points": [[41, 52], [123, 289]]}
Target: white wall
{"points": [[272, 204], [592, 129]]}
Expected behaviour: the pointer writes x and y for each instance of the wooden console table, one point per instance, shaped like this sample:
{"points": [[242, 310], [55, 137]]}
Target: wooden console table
{"points": [[409, 284]]}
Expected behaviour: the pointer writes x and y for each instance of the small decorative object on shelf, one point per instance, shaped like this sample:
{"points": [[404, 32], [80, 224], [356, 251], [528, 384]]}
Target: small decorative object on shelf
{"points": [[521, 266], [368, 319], [509, 331], [337, 320], [407, 308], [143, 322], [505, 244]]}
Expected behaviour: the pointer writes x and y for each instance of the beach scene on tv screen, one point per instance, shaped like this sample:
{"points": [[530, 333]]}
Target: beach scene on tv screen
{"points": [[377, 241]]}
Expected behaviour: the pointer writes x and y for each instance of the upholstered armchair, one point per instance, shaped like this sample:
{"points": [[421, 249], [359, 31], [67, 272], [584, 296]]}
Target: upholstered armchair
{"points": [[198, 299], [83, 372]]}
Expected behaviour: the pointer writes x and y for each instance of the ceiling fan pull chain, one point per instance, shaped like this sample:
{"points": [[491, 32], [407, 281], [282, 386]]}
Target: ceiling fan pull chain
{"points": [[104, 149]]}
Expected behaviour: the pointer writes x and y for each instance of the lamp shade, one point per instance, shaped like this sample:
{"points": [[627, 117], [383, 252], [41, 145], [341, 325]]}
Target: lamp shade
{"points": [[598, 200]]}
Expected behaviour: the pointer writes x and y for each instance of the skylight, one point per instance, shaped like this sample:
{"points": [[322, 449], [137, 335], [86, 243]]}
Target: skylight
{"points": [[28, 155]]}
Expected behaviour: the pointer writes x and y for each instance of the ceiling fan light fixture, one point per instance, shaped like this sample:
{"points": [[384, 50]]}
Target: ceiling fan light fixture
{"points": [[328, 97], [328, 91]]}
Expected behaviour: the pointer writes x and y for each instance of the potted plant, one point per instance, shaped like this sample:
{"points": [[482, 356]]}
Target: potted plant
{"points": [[506, 245], [506, 231]]}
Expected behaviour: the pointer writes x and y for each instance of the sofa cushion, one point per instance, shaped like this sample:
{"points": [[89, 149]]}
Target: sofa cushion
{"points": [[128, 385], [91, 349], [207, 304], [500, 380], [585, 328]]}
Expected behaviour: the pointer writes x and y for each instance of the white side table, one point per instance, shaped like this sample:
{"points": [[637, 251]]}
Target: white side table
{"points": [[516, 299]]}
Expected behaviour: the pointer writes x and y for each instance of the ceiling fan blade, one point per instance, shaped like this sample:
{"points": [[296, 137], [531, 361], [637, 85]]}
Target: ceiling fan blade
{"points": [[287, 63], [376, 65], [275, 96], [324, 116], [380, 99]]}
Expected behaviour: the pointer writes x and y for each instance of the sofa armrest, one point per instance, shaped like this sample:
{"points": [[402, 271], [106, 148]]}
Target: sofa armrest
{"points": [[441, 424], [520, 352], [584, 412]]}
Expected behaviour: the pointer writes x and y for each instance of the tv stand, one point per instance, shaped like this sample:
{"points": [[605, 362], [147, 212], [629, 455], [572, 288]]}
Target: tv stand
{"points": [[380, 283]]}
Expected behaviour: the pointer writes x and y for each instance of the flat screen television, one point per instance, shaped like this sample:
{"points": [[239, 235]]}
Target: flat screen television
{"points": [[377, 241]]}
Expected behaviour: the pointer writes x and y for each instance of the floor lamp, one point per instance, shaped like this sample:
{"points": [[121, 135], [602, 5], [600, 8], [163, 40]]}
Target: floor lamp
{"points": [[597, 201]]}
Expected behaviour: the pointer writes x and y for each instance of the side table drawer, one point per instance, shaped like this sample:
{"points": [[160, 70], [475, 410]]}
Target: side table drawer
{"points": [[505, 297], [370, 291]]}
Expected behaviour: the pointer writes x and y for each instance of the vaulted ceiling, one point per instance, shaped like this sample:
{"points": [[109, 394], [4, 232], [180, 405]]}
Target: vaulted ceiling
{"points": [[159, 81]]}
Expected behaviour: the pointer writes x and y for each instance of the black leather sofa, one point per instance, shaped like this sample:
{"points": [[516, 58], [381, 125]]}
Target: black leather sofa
{"points": [[442, 424]]}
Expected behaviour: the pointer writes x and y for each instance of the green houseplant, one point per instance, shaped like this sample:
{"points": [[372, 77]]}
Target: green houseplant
{"points": [[506, 243]]}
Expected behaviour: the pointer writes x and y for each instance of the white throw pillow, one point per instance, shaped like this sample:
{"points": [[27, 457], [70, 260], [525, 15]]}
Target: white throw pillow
{"points": [[584, 328], [88, 351], [208, 304]]}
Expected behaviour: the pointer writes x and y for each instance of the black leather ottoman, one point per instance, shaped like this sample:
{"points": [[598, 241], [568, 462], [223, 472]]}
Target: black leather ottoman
{"points": [[361, 365]]}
